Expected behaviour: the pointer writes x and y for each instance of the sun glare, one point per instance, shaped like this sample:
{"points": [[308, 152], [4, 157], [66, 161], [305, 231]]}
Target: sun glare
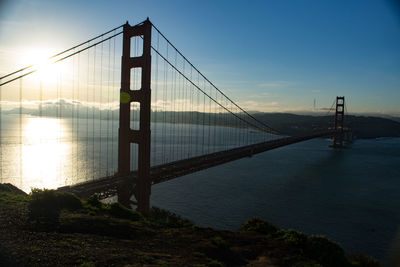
{"points": [[39, 59], [45, 152]]}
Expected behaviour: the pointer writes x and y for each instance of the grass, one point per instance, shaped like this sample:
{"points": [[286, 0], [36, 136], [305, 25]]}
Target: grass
{"points": [[11, 195], [219, 242], [260, 226]]}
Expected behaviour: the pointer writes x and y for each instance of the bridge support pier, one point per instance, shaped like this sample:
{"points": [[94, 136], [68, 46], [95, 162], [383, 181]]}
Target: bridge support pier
{"points": [[124, 194], [126, 135]]}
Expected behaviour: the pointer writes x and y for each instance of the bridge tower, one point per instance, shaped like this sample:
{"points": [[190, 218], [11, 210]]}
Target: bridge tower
{"points": [[339, 122], [141, 188]]}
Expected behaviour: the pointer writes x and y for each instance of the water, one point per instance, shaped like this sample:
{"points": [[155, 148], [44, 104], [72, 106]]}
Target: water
{"points": [[52, 152], [350, 195]]}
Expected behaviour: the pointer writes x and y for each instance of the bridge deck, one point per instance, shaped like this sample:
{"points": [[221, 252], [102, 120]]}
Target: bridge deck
{"points": [[107, 186]]}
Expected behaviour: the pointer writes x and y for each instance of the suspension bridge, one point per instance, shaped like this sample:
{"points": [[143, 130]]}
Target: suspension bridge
{"points": [[121, 112]]}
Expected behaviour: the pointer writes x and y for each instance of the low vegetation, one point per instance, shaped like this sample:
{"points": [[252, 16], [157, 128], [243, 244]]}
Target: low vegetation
{"points": [[45, 205], [311, 250], [49, 228]]}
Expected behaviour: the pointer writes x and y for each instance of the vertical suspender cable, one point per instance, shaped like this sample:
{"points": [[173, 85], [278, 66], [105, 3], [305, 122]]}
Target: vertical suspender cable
{"points": [[114, 141], [226, 129], [100, 108], [204, 114], [184, 112], [108, 110], [156, 109], [173, 113], [209, 122], [20, 133], [166, 66], [72, 120], [237, 129], [178, 114], [87, 116], [198, 115], [191, 115], [180, 109], [77, 120], [1, 135], [93, 116], [59, 77]]}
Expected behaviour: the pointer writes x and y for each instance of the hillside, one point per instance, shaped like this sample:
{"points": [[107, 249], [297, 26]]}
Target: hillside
{"points": [[363, 127], [287, 123], [48, 228]]}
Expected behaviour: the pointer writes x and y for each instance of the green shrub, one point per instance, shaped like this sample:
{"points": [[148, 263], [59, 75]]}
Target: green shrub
{"points": [[215, 263], [295, 238], [307, 264], [118, 211], [69, 201], [46, 205], [9, 188], [168, 218], [360, 260], [12, 195], [260, 226], [94, 201], [325, 251], [219, 242], [87, 264], [5, 188]]}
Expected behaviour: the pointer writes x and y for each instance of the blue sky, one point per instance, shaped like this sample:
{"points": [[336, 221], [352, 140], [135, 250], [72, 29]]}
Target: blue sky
{"points": [[266, 55]]}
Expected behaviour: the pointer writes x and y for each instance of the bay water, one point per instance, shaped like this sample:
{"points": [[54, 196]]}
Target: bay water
{"points": [[351, 195]]}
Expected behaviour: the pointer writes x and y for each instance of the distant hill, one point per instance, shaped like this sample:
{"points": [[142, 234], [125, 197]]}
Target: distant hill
{"points": [[363, 126], [286, 123], [394, 118]]}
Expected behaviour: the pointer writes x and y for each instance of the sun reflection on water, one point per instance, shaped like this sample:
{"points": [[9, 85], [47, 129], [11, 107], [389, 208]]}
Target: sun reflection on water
{"points": [[45, 153]]}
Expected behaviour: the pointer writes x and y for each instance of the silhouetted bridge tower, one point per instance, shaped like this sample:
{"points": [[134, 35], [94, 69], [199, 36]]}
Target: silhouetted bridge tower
{"points": [[186, 125], [142, 137], [343, 134]]}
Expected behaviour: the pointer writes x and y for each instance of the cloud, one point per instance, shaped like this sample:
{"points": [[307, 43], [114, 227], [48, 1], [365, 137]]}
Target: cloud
{"points": [[259, 105], [275, 84], [261, 95]]}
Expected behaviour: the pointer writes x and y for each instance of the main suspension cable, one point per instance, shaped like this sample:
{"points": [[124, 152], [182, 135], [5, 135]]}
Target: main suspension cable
{"points": [[265, 125], [201, 90], [63, 52], [63, 58]]}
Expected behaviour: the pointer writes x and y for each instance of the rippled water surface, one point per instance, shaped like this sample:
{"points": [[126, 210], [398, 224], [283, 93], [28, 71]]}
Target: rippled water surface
{"points": [[350, 195]]}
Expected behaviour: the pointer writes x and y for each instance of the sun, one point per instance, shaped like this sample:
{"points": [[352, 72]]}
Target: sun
{"points": [[40, 60]]}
